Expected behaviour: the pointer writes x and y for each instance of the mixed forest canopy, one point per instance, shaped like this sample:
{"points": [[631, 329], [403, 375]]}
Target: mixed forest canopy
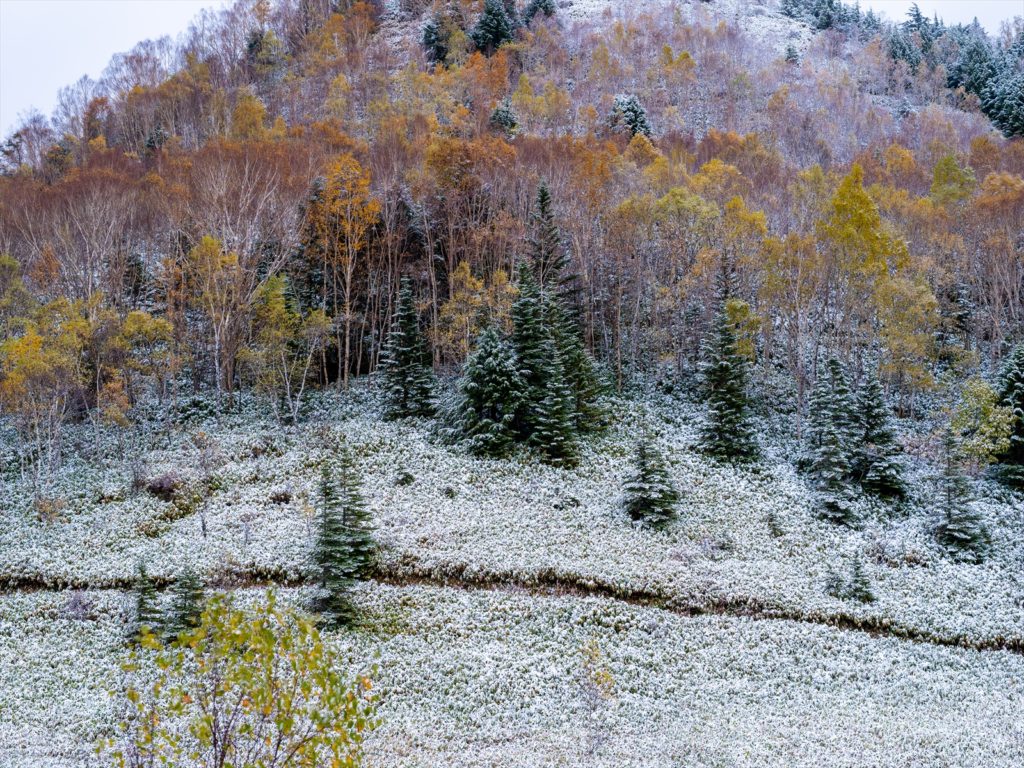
{"points": [[544, 197]]}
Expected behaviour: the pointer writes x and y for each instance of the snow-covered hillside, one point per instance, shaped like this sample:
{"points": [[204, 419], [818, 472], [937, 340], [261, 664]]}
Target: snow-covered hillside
{"points": [[491, 669]]}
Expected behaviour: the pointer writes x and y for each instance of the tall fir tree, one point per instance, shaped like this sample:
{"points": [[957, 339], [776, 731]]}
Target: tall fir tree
{"points": [[961, 530], [186, 605], [549, 262], [407, 374], [147, 606], [832, 407], [728, 432], [554, 429], [345, 547], [532, 344], [545, 247], [650, 497], [1011, 395], [493, 29], [875, 463], [492, 398]]}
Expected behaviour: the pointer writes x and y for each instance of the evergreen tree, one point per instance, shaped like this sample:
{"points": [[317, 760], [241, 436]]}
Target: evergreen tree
{"points": [[832, 407], [629, 115], [504, 119], [650, 496], [532, 344], [554, 428], [1011, 386], [491, 392], [408, 378], [345, 547], [549, 261], [435, 40], [547, 253], [860, 584], [728, 432], [186, 605], [493, 29], [875, 461], [831, 472], [147, 607], [545, 8], [961, 530], [792, 55]]}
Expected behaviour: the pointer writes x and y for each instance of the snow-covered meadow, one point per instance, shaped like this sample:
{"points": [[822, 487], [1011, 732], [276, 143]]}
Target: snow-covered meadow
{"points": [[745, 537], [498, 668], [483, 678]]}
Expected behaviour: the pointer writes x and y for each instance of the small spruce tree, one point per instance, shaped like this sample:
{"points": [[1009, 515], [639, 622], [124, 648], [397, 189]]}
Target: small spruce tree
{"points": [[875, 462], [491, 397], [650, 496], [186, 605], [407, 375], [545, 8], [504, 119], [629, 115], [831, 471], [345, 547], [147, 607], [859, 587], [961, 530], [493, 29], [728, 432]]}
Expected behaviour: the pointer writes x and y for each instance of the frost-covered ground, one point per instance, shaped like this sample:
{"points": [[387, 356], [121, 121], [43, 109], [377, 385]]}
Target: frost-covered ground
{"points": [[743, 536], [485, 678]]}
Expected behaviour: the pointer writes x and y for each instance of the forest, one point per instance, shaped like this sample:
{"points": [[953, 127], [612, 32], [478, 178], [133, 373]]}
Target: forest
{"points": [[538, 323]]}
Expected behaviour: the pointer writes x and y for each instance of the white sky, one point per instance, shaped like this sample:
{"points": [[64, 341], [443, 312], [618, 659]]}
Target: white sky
{"points": [[47, 44], [989, 12]]}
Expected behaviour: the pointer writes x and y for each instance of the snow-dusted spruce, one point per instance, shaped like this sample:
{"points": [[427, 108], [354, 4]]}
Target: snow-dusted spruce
{"points": [[493, 29], [490, 397], [650, 497], [629, 116], [875, 463], [186, 605], [833, 437], [546, 8], [406, 372], [344, 546], [1011, 392], [728, 432], [558, 295], [961, 528], [147, 607], [554, 428]]}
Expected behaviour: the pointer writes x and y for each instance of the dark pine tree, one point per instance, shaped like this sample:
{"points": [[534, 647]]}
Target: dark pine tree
{"points": [[628, 115], [831, 472], [345, 547], [545, 8], [554, 428], [650, 498], [549, 262], [875, 462], [491, 400], [147, 607], [728, 432], [186, 605], [547, 253], [961, 530], [1011, 392], [532, 344], [407, 375], [493, 29]]}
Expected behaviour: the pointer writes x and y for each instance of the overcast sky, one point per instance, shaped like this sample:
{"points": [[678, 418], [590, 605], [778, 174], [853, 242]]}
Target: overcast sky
{"points": [[47, 44]]}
